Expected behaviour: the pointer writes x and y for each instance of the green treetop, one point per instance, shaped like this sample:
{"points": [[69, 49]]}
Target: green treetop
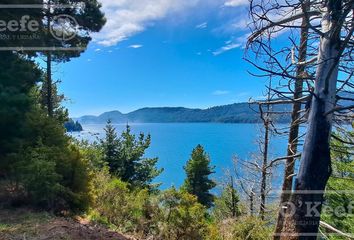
{"points": [[198, 170], [125, 157]]}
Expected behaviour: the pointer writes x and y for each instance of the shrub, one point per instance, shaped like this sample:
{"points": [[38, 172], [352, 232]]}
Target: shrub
{"points": [[48, 169], [181, 217], [55, 178], [116, 204], [242, 228]]}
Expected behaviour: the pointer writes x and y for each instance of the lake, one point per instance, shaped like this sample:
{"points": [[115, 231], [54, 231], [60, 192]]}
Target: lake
{"points": [[173, 143]]}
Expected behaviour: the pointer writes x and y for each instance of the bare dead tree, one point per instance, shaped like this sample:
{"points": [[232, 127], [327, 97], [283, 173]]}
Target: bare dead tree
{"points": [[254, 175], [245, 184], [294, 125], [329, 27], [266, 118]]}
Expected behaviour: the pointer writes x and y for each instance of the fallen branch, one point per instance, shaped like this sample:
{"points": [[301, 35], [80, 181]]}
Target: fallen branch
{"points": [[333, 229]]}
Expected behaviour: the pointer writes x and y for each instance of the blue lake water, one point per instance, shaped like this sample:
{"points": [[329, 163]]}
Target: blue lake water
{"points": [[173, 143]]}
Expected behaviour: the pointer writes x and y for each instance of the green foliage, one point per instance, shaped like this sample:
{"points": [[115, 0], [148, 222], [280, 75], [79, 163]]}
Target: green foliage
{"points": [[90, 19], [242, 228], [198, 170], [227, 204], [59, 112], [17, 78], [117, 204], [110, 146], [124, 156], [38, 175], [37, 159], [173, 215], [72, 126], [337, 210], [63, 182], [251, 228], [93, 153], [181, 217]]}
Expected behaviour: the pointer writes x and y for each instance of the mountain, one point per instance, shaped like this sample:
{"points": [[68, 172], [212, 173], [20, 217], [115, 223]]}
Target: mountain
{"points": [[233, 113]]}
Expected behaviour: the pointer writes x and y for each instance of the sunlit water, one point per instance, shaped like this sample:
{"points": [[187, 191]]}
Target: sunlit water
{"points": [[172, 143]]}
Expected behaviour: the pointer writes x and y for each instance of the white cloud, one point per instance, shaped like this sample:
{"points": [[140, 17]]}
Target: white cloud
{"points": [[226, 48], [233, 43], [236, 3], [240, 24], [220, 92], [97, 50], [126, 18], [202, 25], [135, 46]]}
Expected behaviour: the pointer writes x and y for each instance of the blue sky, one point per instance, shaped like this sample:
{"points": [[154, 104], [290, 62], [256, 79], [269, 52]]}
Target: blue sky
{"points": [[155, 53]]}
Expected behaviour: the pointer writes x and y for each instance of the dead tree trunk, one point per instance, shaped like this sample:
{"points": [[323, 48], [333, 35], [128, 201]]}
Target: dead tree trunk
{"points": [[294, 127], [266, 121], [303, 214], [264, 170]]}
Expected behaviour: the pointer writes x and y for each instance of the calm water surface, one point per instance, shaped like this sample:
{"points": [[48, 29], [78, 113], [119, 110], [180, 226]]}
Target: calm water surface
{"points": [[172, 143]]}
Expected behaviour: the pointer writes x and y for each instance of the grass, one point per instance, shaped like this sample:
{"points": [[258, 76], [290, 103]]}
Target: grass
{"points": [[21, 223]]}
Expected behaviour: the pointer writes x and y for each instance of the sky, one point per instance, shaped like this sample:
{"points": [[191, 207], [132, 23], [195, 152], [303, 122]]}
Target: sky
{"points": [[159, 53]]}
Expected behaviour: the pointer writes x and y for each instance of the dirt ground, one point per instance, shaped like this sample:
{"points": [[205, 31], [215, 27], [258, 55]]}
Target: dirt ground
{"points": [[25, 224]]}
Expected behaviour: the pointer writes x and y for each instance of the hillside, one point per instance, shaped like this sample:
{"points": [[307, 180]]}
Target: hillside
{"points": [[233, 113]]}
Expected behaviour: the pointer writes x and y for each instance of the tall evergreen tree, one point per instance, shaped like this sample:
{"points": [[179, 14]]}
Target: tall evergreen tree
{"points": [[125, 157], [37, 160], [18, 77], [198, 170], [110, 145], [89, 18], [82, 18]]}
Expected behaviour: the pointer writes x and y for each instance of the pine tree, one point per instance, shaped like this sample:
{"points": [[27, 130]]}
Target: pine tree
{"points": [[110, 146], [18, 76], [90, 19], [198, 170], [124, 156]]}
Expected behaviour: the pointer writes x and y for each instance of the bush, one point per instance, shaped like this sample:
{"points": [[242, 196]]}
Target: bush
{"points": [[47, 169], [181, 217], [116, 204], [242, 228], [39, 177]]}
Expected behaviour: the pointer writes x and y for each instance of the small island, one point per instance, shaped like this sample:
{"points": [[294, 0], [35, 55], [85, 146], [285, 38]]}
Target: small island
{"points": [[72, 126]]}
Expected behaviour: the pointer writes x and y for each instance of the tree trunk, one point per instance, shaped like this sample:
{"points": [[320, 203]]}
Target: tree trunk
{"points": [[233, 197], [266, 121], [294, 127], [264, 170], [303, 213], [49, 67], [251, 196], [49, 85]]}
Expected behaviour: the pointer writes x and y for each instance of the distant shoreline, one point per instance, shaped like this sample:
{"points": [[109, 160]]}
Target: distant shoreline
{"points": [[232, 113]]}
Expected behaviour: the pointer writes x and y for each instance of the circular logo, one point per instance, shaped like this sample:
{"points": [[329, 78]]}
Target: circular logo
{"points": [[63, 27]]}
